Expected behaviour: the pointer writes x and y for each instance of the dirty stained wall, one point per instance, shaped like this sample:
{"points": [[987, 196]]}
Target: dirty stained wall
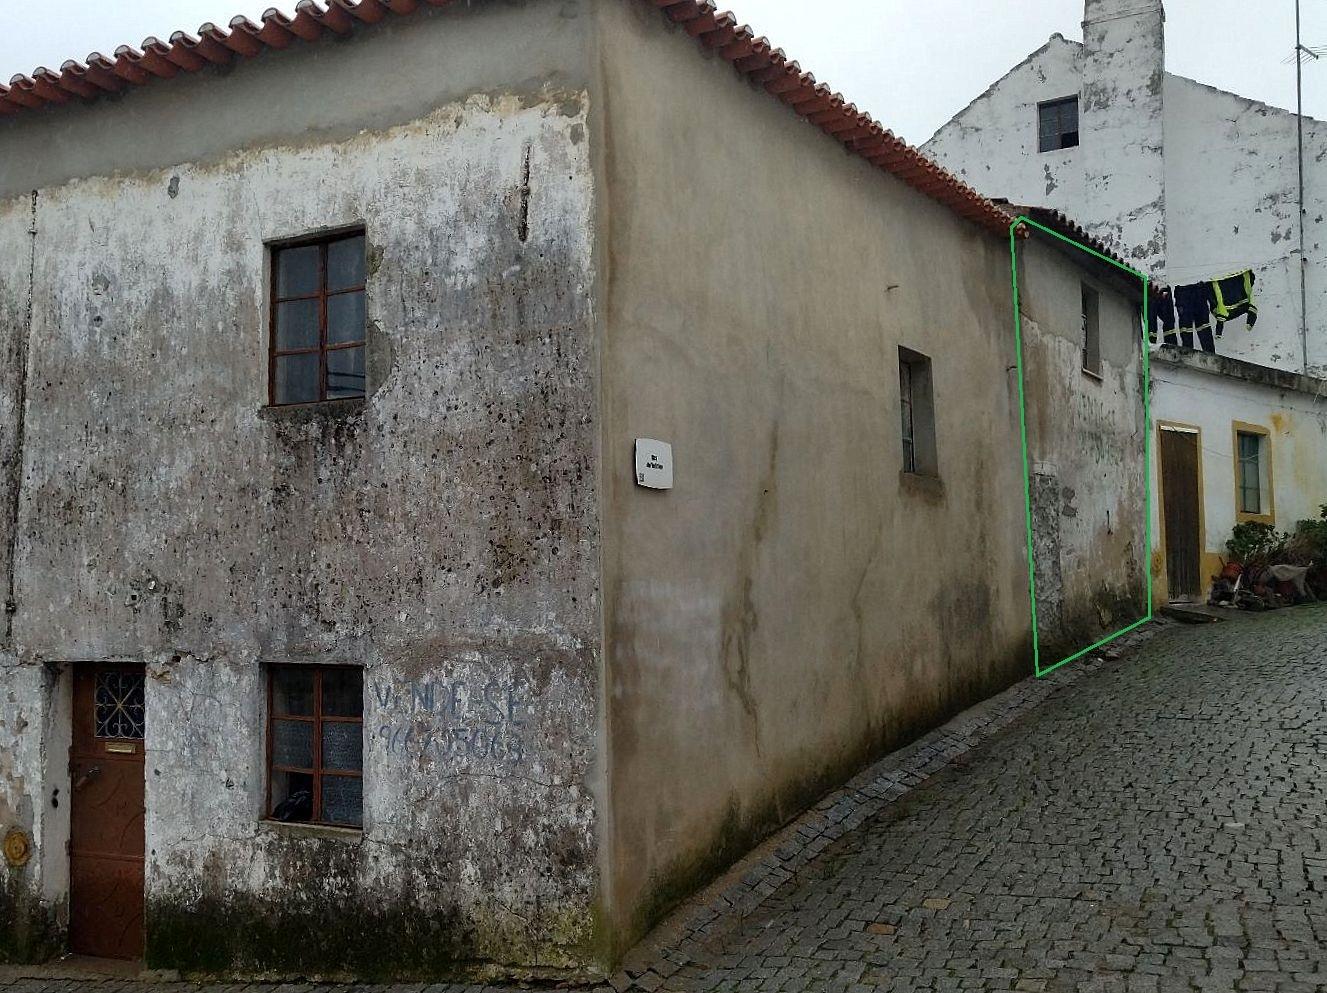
{"points": [[29, 923], [1229, 184], [795, 605], [32, 900], [1085, 445], [441, 534]]}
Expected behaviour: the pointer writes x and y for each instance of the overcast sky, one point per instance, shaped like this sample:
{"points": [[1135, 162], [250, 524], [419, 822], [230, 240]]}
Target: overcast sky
{"points": [[911, 64]]}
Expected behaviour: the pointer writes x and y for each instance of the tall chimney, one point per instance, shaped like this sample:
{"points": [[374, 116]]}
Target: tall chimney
{"points": [[1121, 125]]}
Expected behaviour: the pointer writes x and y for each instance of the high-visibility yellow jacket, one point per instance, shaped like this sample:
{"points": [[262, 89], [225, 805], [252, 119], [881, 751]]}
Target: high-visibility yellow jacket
{"points": [[1233, 297]]}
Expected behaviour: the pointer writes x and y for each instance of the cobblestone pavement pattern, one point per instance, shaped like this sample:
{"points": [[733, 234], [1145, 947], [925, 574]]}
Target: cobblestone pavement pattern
{"points": [[1160, 824]]}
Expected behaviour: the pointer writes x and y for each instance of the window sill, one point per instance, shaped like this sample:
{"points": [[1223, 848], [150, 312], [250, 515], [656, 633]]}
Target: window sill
{"points": [[1097, 376], [1243, 517], [300, 829], [303, 413], [930, 488]]}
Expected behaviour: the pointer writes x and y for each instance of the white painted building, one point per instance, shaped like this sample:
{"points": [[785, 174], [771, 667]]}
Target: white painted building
{"points": [[1188, 183], [1185, 180], [1235, 442]]}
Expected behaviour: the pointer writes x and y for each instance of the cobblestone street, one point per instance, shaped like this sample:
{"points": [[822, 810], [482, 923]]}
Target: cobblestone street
{"points": [[1159, 823]]}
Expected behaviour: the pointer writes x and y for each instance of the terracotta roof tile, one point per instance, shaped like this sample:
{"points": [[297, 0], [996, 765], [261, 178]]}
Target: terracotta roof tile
{"points": [[752, 57], [1065, 225]]}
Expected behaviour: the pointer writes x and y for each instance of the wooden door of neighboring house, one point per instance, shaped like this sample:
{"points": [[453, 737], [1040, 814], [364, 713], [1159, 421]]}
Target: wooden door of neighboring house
{"points": [[1182, 511], [106, 850]]}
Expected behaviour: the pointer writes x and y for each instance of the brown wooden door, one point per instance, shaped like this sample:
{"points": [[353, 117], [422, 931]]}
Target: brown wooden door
{"points": [[106, 819], [1179, 494]]}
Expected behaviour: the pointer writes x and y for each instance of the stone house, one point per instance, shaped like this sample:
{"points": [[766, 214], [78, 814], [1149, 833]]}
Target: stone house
{"points": [[1188, 183], [355, 622]]}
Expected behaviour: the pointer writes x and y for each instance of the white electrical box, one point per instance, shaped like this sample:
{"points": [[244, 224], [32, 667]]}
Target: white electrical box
{"points": [[654, 464]]}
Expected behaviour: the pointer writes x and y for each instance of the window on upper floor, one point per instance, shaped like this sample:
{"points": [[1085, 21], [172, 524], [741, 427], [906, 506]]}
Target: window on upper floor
{"points": [[315, 744], [917, 406], [1091, 331], [1057, 124], [318, 322]]}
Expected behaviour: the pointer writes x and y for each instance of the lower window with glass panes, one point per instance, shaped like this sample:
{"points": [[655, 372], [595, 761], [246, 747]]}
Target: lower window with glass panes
{"points": [[315, 745]]}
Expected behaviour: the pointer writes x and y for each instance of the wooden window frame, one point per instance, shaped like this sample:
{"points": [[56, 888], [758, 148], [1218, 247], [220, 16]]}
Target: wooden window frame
{"points": [[323, 242], [317, 719], [1091, 320], [1058, 107], [1266, 484], [918, 413], [909, 416]]}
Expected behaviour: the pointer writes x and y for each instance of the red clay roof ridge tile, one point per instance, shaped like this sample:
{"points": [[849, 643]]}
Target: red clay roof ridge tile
{"points": [[719, 32]]}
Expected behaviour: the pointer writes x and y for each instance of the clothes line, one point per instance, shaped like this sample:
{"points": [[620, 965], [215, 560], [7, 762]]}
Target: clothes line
{"points": [[1318, 398], [1229, 267]]}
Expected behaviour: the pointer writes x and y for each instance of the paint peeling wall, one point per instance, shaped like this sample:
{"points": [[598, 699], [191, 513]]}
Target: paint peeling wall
{"points": [[17, 219], [1225, 200], [1233, 189], [1113, 183], [1211, 395], [1085, 441], [443, 534], [34, 796], [1122, 129], [992, 144], [796, 604], [29, 924]]}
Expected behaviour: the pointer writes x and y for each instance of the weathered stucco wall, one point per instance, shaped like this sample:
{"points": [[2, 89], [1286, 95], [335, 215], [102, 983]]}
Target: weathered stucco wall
{"points": [[1198, 391], [1232, 199], [34, 796], [993, 142], [795, 605], [1225, 200], [1085, 443], [443, 533], [17, 218], [1121, 120]]}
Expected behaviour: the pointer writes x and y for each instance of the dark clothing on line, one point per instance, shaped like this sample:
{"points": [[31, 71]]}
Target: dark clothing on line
{"points": [[1161, 308], [1193, 305]]}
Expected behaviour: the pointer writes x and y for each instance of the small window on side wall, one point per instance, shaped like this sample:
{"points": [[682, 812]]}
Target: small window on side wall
{"points": [[315, 745], [1250, 481], [1091, 331], [917, 406], [318, 321], [1057, 124]]}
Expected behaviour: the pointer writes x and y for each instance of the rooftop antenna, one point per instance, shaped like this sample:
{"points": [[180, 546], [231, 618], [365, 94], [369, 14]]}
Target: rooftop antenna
{"points": [[1301, 52]]}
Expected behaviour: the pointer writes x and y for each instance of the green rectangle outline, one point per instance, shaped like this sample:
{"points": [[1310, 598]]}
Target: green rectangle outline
{"points": [[1027, 466]]}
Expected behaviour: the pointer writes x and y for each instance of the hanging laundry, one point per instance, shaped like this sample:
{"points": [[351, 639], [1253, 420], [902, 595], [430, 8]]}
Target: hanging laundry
{"points": [[1232, 297], [1161, 308], [1193, 309]]}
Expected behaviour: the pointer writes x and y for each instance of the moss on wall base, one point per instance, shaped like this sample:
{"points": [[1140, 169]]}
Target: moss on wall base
{"points": [[1110, 609], [241, 935], [30, 931], [743, 828]]}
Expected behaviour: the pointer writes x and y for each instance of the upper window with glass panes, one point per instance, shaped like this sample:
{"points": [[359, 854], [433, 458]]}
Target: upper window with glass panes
{"points": [[318, 324]]}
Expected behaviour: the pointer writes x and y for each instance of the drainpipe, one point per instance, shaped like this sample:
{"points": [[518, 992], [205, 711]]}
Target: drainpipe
{"points": [[1300, 52], [15, 479]]}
